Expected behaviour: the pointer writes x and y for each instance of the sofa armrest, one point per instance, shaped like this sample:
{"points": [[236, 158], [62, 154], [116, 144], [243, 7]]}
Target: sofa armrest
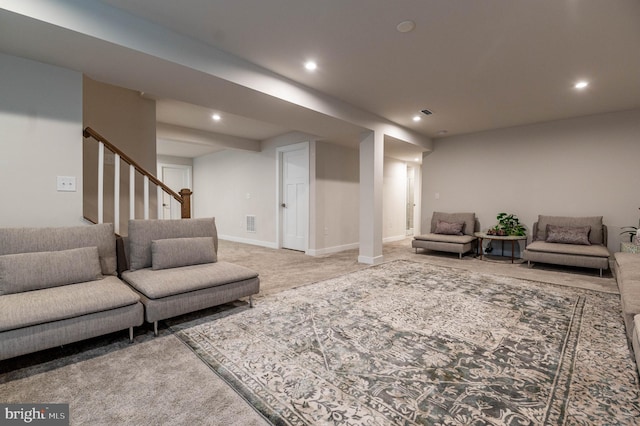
{"points": [[534, 232], [121, 255]]}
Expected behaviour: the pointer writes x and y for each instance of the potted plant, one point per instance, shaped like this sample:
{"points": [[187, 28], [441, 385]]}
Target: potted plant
{"points": [[509, 224], [632, 231]]}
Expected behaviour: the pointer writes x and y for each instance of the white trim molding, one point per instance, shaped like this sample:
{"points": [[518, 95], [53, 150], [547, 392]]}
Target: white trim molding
{"points": [[267, 244], [334, 249]]}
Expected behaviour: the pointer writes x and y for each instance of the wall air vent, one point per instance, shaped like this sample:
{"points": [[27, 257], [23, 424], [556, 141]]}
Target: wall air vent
{"points": [[251, 223], [426, 112]]}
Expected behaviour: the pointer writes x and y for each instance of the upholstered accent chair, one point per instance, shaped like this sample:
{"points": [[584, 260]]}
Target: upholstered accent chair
{"points": [[570, 241], [450, 232]]}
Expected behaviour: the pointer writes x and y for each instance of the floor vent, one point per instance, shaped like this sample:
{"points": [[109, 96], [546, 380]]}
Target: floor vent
{"points": [[251, 223]]}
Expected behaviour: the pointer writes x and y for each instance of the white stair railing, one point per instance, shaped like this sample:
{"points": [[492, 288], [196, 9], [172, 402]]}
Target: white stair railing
{"points": [[179, 201]]}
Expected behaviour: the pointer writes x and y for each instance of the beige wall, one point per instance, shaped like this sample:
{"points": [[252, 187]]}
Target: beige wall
{"points": [[394, 211], [128, 121], [41, 126], [232, 184], [577, 167], [337, 198]]}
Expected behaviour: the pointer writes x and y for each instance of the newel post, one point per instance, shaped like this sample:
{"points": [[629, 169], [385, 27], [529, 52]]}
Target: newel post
{"points": [[185, 193]]}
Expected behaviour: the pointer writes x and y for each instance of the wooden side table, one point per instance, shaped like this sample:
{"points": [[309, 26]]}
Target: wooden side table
{"points": [[513, 238]]}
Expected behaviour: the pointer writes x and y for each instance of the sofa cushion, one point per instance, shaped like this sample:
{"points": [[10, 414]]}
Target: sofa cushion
{"points": [[449, 228], [168, 282], [628, 261], [34, 271], [459, 239], [143, 232], [58, 303], [29, 240], [595, 222], [569, 249], [568, 234], [469, 220], [175, 252]]}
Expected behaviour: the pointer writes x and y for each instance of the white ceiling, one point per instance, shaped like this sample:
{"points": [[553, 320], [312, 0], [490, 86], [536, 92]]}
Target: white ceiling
{"points": [[196, 117], [477, 65]]}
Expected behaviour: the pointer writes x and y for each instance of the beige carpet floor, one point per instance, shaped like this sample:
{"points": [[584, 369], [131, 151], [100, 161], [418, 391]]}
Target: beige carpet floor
{"points": [[282, 269], [157, 381]]}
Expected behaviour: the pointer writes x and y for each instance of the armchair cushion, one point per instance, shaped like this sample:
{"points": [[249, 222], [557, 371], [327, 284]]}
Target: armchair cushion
{"points": [[174, 281], [449, 228], [176, 252], [469, 220], [33, 271], [63, 302], [143, 232], [594, 250], [443, 238], [596, 236], [568, 234]]}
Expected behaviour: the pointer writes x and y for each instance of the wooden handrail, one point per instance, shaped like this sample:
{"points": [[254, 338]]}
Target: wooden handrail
{"points": [[89, 132]]}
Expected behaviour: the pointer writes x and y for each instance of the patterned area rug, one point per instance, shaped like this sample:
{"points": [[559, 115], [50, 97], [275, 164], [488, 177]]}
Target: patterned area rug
{"points": [[410, 343]]}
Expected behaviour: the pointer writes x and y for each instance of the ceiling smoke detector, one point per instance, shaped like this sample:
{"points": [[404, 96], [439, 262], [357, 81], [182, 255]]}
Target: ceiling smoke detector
{"points": [[426, 112], [406, 26]]}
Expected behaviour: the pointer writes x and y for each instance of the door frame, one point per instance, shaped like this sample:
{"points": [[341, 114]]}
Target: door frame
{"points": [[186, 167], [411, 203], [279, 181]]}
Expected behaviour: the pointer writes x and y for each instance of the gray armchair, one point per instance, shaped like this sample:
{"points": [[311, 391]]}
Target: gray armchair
{"points": [[450, 232]]}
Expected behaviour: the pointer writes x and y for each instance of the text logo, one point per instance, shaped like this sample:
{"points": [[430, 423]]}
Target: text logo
{"points": [[34, 414]]}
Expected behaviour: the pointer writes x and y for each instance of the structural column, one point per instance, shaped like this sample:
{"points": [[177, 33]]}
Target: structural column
{"points": [[371, 176]]}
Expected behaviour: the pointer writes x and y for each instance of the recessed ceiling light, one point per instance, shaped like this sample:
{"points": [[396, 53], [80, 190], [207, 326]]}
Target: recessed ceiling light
{"points": [[406, 26], [581, 84], [443, 132], [416, 159], [417, 118], [310, 65], [216, 117]]}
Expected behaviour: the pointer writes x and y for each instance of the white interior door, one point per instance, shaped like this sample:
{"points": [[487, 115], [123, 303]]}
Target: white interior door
{"points": [[411, 204], [175, 177], [295, 183]]}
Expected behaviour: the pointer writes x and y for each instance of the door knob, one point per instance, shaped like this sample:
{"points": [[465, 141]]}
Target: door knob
{"points": [[283, 205]]}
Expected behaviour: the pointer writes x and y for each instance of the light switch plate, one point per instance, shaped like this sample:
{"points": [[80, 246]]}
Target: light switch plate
{"points": [[66, 184]]}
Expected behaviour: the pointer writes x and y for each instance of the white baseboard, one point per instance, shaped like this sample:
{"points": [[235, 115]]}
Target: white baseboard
{"points": [[315, 252], [267, 244], [334, 249], [371, 260], [395, 238]]}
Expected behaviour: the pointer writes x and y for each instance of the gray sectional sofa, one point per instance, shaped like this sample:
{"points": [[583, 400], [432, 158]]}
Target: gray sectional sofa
{"points": [[627, 271], [58, 286], [570, 241], [173, 266], [444, 235]]}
